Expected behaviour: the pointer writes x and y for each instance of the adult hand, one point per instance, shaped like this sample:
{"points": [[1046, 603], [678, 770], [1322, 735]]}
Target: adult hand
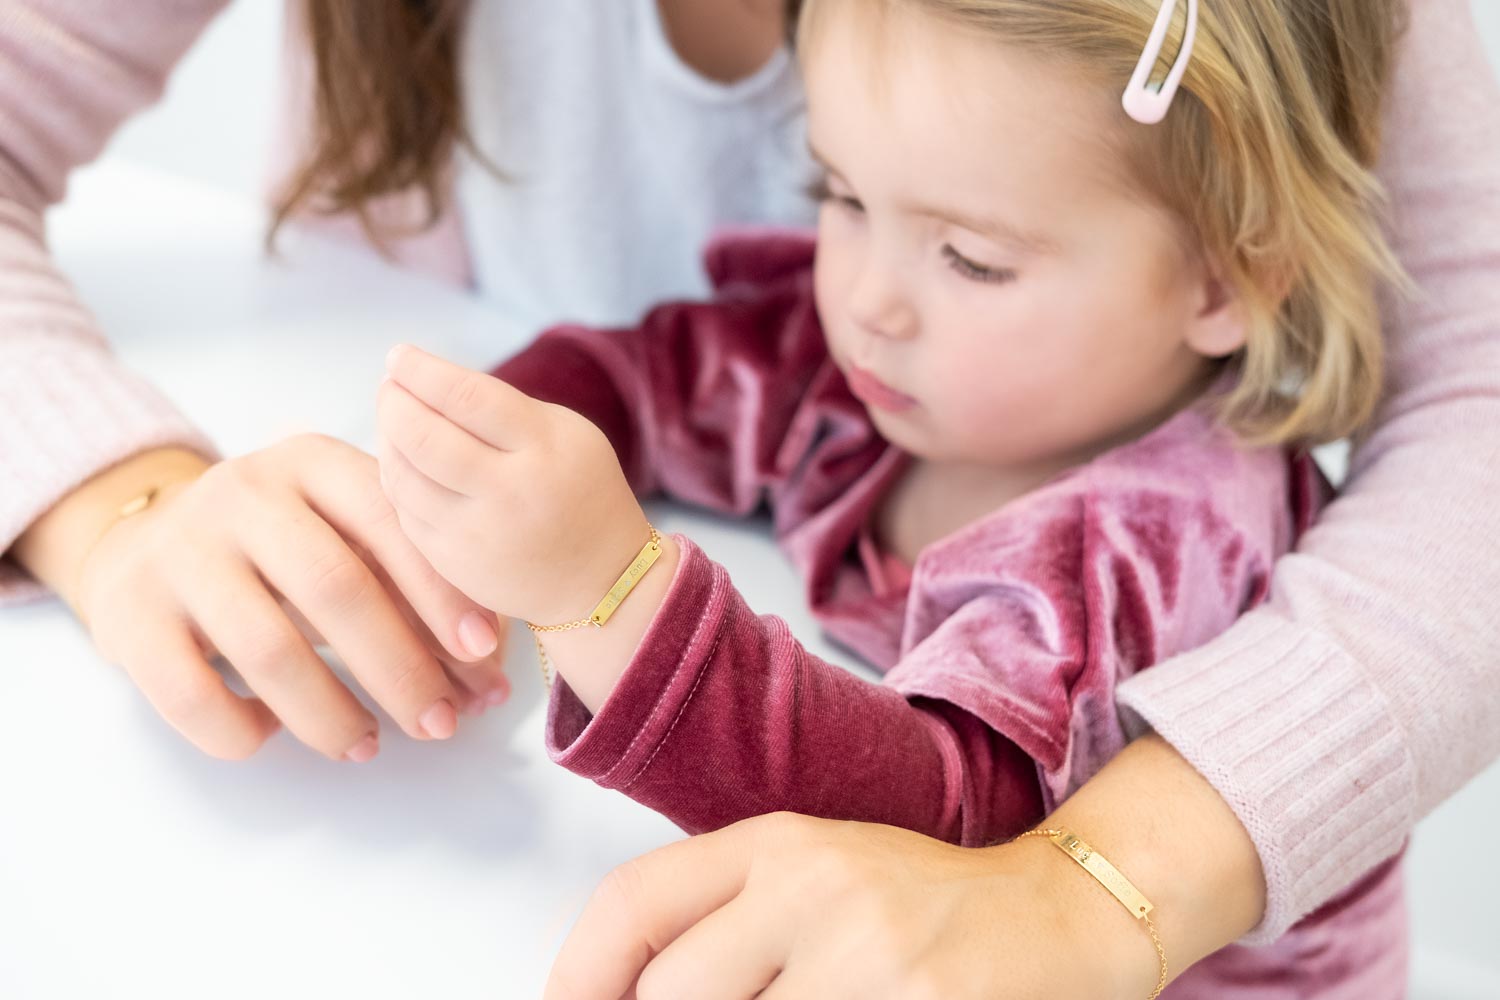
{"points": [[785, 906], [257, 559]]}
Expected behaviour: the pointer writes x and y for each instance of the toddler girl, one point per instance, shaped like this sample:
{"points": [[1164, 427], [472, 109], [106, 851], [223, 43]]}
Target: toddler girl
{"points": [[1025, 417]]}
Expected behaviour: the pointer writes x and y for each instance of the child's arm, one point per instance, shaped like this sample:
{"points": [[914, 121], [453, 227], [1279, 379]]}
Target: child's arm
{"points": [[722, 714]]}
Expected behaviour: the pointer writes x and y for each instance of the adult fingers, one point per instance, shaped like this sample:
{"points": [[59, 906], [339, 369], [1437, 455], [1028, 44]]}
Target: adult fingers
{"points": [[494, 412], [435, 446], [643, 906], [315, 569], [166, 663], [482, 683], [239, 617], [342, 484], [733, 953]]}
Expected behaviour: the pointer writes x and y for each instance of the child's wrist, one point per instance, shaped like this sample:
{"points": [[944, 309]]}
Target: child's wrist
{"points": [[593, 659], [609, 552]]}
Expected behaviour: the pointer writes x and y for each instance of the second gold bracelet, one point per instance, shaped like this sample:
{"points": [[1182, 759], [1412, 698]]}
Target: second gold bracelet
{"points": [[1118, 885]]}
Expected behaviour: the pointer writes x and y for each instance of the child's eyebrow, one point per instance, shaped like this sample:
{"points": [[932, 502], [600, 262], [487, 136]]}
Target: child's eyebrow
{"points": [[996, 229]]}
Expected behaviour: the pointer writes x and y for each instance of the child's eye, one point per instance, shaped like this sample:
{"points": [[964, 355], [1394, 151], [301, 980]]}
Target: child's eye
{"points": [[976, 272], [820, 192]]}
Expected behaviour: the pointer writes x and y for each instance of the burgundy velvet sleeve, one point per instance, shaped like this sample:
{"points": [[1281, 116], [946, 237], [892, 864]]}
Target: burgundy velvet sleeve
{"points": [[722, 715]]}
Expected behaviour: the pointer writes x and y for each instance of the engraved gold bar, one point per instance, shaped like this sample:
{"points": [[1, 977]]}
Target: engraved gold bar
{"points": [[1108, 875], [625, 583]]}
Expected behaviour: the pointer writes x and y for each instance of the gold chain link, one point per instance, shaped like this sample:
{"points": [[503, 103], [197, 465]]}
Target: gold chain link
{"points": [[604, 608]]}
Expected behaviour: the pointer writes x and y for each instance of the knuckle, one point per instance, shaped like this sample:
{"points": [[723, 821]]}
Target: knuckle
{"points": [[419, 441], [622, 891], [270, 654], [188, 699], [464, 395], [338, 581], [411, 677], [228, 477], [310, 443]]}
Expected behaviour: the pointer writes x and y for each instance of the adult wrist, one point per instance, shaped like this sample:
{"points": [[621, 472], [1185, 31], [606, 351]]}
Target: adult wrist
{"points": [[1163, 824], [1096, 902], [54, 548]]}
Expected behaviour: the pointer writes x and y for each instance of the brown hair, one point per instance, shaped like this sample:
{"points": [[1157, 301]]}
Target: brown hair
{"points": [[388, 109], [1268, 155]]}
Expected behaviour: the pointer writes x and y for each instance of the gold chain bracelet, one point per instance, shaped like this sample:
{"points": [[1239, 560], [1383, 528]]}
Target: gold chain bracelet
{"points": [[130, 508], [1118, 885], [607, 604]]}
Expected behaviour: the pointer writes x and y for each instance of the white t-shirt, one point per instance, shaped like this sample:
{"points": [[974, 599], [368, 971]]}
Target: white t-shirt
{"points": [[621, 159]]}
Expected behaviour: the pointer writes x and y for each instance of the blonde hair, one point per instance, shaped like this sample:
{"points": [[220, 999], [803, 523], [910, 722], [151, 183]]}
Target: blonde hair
{"points": [[1268, 155]]}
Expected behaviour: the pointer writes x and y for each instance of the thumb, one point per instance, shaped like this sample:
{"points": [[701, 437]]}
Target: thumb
{"points": [[646, 904]]}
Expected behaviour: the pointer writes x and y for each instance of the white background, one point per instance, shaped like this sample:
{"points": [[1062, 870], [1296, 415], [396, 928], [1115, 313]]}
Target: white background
{"points": [[214, 126]]}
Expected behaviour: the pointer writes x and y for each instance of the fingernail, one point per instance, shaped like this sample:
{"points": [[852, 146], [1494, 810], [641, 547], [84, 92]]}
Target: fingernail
{"points": [[497, 697], [440, 721], [394, 355], [364, 750], [477, 635]]}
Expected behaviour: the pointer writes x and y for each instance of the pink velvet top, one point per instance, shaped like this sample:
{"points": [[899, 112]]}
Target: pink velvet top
{"points": [[1002, 650]]}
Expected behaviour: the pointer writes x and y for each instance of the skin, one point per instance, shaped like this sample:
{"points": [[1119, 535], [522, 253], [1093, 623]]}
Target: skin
{"points": [[254, 559]]}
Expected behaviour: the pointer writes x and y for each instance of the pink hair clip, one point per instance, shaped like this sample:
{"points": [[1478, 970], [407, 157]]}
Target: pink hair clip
{"points": [[1143, 103]]}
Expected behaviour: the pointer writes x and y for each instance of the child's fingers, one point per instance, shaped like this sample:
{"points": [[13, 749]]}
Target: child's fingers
{"points": [[441, 450], [412, 493], [494, 412]]}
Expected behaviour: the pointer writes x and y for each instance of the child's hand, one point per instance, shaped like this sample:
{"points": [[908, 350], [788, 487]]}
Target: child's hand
{"points": [[520, 504]]}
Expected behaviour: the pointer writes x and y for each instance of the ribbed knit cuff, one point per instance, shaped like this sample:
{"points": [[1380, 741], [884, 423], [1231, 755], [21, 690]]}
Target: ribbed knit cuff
{"points": [[69, 410], [1299, 742]]}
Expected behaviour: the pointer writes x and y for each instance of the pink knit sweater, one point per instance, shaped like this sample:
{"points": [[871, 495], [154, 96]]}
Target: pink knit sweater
{"points": [[1333, 718]]}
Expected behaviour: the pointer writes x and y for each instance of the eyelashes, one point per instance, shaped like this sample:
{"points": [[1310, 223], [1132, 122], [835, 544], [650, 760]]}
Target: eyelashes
{"points": [[977, 272], [820, 192]]}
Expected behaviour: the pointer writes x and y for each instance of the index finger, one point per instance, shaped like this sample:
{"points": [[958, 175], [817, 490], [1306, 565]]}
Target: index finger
{"points": [[493, 411], [643, 906]]}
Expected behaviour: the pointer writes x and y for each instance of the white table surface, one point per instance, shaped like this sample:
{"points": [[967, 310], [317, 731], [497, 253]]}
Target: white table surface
{"points": [[132, 865]]}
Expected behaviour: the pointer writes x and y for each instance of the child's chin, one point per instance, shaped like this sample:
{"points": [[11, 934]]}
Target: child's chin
{"points": [[901, 430]]}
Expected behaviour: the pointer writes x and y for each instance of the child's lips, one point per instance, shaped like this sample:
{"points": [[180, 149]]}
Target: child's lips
{"points": [[876, 393]]}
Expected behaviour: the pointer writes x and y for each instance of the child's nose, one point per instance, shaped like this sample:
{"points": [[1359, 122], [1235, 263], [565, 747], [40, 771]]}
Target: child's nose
{"points": [[878, 301]]}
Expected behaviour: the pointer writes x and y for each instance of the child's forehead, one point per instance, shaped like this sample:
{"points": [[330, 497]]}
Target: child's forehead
{"points": [[888, 80]]}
